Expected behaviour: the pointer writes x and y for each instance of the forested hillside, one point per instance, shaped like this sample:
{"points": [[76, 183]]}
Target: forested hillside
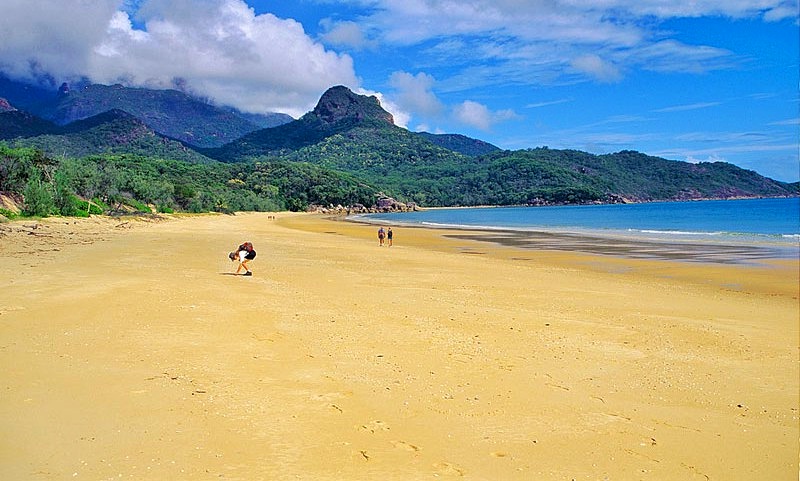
{"points": [[128, 183]]}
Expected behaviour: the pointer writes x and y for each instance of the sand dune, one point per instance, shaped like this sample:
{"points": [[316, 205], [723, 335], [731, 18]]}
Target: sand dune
{"points": [[129, 351]]}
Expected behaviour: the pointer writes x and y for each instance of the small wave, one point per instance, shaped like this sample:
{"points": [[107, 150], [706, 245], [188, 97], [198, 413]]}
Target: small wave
{"points": [[679, 232], [439, 225]]}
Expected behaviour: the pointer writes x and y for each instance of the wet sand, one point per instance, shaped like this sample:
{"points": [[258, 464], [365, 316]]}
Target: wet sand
{"points": [[131, 352], [638, 248]]}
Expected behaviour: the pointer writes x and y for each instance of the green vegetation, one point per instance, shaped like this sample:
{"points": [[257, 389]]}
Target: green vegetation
{"points": [[410, 168], [460, 143], [120, 183]]}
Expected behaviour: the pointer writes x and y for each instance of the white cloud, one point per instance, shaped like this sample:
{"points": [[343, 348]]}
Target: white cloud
{"points": [[399, 115], [674, 56], [414, 93], [479, 116], [474, 114], [556, 41], [710, 158], [223, 50], [695, 8], [220, 48], [685, 108], [548, 103], [597, 67], [52, 37], [780, 12], [346, 34], [427, 128], [729, 150]]}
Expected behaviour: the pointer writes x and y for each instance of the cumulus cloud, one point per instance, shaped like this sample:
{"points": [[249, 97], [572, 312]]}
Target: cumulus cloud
{"points": [[479, 116], [474, 114], [38, 40], [220, 49], [414, 93]]}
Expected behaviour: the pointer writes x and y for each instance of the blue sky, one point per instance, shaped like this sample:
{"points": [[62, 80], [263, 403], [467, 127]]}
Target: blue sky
{"points": [[705, 80]]}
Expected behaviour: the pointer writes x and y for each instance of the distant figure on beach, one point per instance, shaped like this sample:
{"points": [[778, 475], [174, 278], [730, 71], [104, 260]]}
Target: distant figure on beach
{"points": [[381, 236], [244, 254], [389, 236]]}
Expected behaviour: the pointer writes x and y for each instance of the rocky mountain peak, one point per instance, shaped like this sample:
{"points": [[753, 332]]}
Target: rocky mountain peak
{"points": [[5, 106], [340, 103]]}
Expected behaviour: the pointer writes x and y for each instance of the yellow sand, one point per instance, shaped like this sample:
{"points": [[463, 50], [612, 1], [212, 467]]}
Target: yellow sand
{"points": [[128, 351]]}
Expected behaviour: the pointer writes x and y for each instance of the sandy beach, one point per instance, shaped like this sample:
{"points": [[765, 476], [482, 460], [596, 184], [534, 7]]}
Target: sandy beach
{"points": [[130, 351]]}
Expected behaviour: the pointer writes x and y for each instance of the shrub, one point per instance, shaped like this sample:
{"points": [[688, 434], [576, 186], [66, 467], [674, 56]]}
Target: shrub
{"points": [[38, 199], [95, 208], [8, 214]]}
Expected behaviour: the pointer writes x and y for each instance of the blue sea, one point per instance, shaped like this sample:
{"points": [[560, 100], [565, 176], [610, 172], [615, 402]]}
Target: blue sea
{"points": [[712, 230]]}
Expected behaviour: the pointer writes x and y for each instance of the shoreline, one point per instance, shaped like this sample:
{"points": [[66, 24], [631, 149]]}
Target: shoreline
{"points": [[596, 254], [609, 244], [627, 247], [131, 352], [645, 243]]}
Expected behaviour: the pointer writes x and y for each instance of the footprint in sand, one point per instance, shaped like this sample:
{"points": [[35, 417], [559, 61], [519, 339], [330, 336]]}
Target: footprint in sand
{"points": [[374, 426], [448, 469], [405, 446], [4, 309]]}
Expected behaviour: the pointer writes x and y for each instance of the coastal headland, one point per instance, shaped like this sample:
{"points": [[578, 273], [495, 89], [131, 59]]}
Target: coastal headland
{"points": [[130, 351]]}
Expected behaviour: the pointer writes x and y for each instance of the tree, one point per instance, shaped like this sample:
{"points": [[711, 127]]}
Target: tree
{"points": [[38, 198]]}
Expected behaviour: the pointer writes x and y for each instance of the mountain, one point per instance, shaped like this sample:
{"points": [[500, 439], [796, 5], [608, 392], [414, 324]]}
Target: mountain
{"points": [[261, 121], [5, 106], [460, 143], [115, 131], [16, 123], [352, 133], [347, 149], [338, 110], [172, 113], [551, 176]]}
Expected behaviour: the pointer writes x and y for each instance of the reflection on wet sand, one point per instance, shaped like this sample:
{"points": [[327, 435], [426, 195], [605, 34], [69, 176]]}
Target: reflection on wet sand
{"points": [[637, 248]]}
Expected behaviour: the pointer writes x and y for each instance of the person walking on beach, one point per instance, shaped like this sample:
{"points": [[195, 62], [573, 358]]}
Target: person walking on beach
{"points": [[244, 253], [381, 236], [389, 236]]}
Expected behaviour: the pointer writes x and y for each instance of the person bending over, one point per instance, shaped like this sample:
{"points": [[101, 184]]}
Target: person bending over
{"points": [[244, 254]]}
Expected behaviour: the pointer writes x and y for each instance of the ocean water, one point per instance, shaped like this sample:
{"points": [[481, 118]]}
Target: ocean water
{"points": [[715, 231]]}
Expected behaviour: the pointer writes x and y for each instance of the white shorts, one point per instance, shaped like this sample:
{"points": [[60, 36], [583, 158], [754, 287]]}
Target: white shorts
{"points": [[242, 255]]}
